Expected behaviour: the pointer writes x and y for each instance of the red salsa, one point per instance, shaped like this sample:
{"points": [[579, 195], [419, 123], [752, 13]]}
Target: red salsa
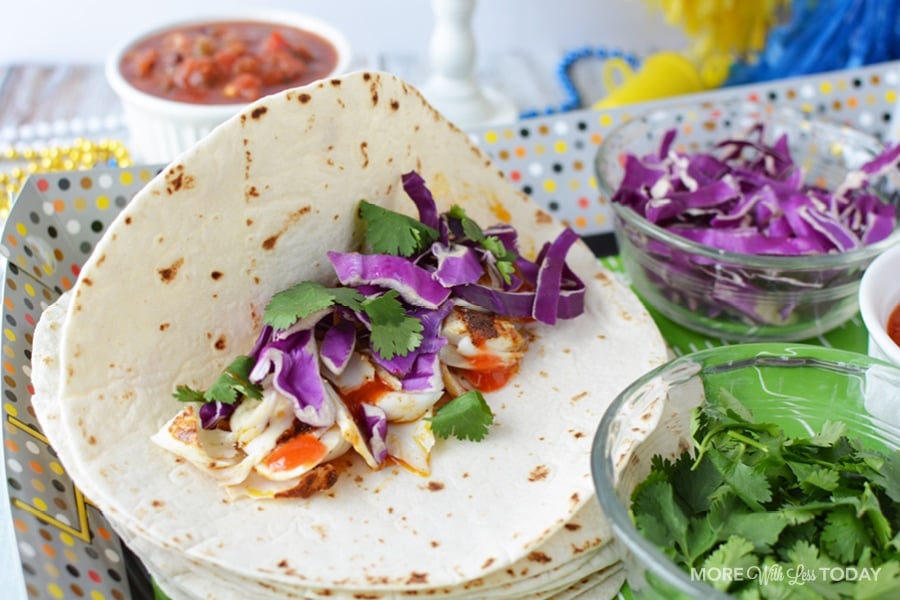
{"points": [[227, 62], [893, 325]]}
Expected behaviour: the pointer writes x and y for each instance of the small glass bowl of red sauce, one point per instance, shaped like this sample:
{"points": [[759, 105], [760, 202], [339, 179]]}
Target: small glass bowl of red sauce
{"points": [[179, 81], [879, 305]]}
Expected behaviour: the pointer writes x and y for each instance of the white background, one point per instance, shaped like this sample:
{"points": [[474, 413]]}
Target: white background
{"points": [[85, 30]]}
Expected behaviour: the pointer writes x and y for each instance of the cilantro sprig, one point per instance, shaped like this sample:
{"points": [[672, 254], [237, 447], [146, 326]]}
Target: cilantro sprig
{"points": [[466, 417], [750, 496], [304, 299], [505, 259], [393, 332], [390, 232], [232, 384]]}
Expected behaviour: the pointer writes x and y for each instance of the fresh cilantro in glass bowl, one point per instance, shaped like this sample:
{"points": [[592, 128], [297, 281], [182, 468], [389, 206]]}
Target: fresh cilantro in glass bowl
{"points": [[756, 470], [746, 221]]}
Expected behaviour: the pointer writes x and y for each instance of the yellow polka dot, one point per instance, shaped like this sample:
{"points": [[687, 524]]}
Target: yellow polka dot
{"points": [[890, 96], [102, 202], [600, 219], [145, 175], [574, 184], [126, 178], [52, 570], [39, 504], [592, 182], [21, 229], [11, 410], [97, 595], [550, 186], [508, 134], [560, 147], [825, 87], [55, 590], [490, 137], [29, 289], [540, 149], [10, 334], [806, 107], [870, 99], [79, 203], [606, 120], [39, 485], [70, 555], [57, 468], [841, 84], [66, 539], [7, 350]]}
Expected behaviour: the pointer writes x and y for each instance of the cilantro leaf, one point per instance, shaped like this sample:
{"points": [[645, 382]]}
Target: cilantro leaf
{"points": [[233, 383], [888, 476], [466, 417], [304, 299], [389, 232], [735, 553], [394, 333], [843, 536], [185, 393]]}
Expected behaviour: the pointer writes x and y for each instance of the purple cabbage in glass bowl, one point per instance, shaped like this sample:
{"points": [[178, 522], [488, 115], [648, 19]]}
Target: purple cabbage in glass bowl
{"points": [[748, 222]]}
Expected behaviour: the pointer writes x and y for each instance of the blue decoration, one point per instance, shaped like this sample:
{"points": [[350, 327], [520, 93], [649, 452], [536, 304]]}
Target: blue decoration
{"points": [[573, 99]]}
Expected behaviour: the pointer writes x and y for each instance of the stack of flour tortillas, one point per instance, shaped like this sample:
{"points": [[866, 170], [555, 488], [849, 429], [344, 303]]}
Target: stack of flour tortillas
{"points": [[176, 288]]}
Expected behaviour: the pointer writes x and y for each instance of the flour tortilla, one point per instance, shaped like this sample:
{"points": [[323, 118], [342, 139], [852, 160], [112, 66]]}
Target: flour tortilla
{"points": [[580, 554], [177, 286]]}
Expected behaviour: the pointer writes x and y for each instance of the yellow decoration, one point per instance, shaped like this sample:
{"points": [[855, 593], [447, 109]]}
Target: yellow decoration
{"points": [[82, 154], [736, 28]]}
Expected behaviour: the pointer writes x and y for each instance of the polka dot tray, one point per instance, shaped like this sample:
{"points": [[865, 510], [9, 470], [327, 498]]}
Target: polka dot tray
{"points": [[66, 547]]}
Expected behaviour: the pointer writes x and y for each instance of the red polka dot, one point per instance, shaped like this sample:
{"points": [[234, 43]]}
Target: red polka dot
{"points": [[515, 175], [753, 97], [584, 202], [43, 185], [95, 577], [29, 319], [75, 270]]}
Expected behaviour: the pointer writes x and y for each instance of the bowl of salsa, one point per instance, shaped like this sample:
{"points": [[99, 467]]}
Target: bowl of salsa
{"points": [[879, 305], [179, 81]]}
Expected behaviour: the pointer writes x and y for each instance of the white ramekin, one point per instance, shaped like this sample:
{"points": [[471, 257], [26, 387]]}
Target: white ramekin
{"points": [[160, 129], [879, 294]]}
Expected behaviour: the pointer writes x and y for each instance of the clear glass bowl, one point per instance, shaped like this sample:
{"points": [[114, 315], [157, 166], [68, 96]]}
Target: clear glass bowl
{"points": [[728, 295], [798, 386]]}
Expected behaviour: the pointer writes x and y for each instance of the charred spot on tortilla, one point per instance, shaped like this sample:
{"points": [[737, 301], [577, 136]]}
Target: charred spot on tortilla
{"points": [[164, 326], [216, 275], [435, 486], [221, 343], [572, 526], [177, 179], [363, 148], [539, 557], [168, 274], [128, 220], [539, 473], [258, 112], [417, 578], [304, 98], [395, 105]]}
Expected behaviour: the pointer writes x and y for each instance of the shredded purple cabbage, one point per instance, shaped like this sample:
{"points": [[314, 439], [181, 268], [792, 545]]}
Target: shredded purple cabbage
{"points": [[749, 197]]}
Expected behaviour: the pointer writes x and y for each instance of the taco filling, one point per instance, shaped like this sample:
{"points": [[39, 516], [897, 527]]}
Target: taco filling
{"points": [[426, 316]]}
